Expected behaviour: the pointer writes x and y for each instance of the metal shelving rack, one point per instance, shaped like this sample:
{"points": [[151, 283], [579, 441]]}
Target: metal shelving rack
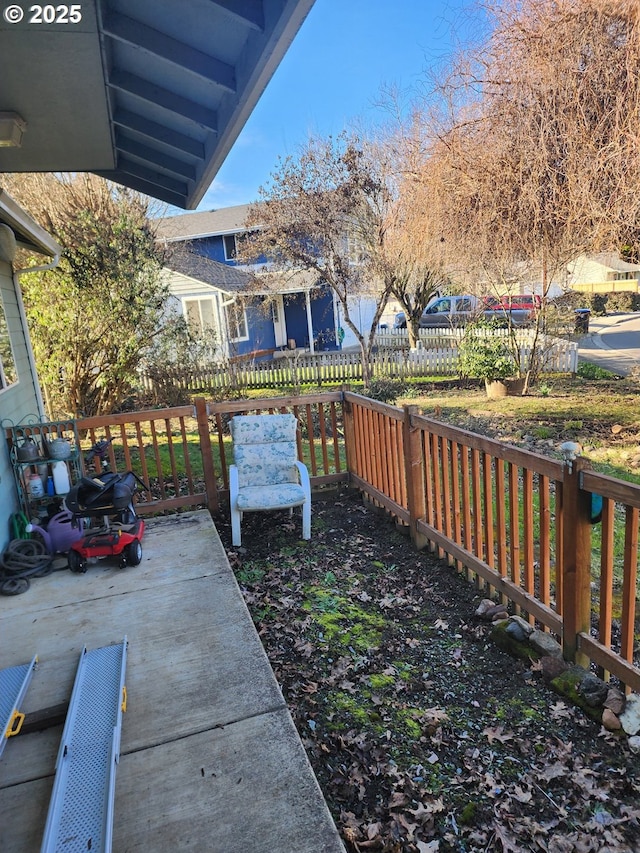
{"points": [[41, 432]]}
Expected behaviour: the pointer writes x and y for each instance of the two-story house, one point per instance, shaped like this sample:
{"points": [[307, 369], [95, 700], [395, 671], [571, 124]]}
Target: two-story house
{"points": [[215, 290]]}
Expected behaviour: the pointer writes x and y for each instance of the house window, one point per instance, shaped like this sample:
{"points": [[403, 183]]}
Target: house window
{"points": [[200, 314], [8, 373], [237, 322], [356, 249], [230, 247]]}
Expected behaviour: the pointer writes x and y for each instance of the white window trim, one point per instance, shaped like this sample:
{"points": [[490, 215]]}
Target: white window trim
{"points": [[199, 300], [244, 337], [224, 246]]}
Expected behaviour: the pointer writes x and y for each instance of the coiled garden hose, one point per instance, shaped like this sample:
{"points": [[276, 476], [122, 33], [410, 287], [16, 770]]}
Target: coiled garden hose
{"points": [[23, 559]]}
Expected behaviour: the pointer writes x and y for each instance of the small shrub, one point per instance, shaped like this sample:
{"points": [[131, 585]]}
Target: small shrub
{"points": [[623, 300], [386, 390], [587, 370], [598, 303], [484, 356]]}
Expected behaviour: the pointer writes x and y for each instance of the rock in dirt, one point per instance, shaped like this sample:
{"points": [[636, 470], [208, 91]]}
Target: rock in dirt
{"points": [[552, 667], [516, 632], [594, 690], [630, 717], [615, 701], [610, 721], [634, 743], [485, 604], [545, 644], [527, 627]]}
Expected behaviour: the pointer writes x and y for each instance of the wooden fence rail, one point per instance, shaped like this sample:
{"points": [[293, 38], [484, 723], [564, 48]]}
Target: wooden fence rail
{"points": [[517, 522]]}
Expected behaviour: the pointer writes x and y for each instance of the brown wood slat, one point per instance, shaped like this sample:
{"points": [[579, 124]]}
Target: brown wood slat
{"points": [[514, 523], [172, 456], [528, 550], [476, 499], [466, 500], [323, 439], [187, 456], [312, 448], [544, 556], [455, 496], [428, 479], [501, 512], [158, 461], [559, 546], [447, 498], [629, 582], [437, 493], [334, 429], [606, 573]]}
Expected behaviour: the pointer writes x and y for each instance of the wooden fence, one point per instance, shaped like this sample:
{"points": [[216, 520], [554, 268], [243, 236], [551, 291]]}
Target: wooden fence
{"points": [[436, 356], [515, 521]]}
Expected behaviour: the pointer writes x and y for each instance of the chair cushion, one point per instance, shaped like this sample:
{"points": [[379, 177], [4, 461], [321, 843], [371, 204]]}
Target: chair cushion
{"points": [[270, 497], [263, 429], [266, 465]]}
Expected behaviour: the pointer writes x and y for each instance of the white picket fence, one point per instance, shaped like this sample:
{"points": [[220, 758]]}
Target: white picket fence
{"points": [[437, 355]]}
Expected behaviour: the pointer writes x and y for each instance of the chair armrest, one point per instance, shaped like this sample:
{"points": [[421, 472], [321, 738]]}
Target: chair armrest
{"points": [[233, 482], [304, 476]]}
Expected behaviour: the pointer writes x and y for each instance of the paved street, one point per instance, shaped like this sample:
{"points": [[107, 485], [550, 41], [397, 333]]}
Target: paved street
{"points": [[613, 342]]}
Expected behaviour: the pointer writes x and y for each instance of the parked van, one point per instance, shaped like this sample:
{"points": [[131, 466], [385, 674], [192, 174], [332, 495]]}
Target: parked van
{"points": [[448, 311]]}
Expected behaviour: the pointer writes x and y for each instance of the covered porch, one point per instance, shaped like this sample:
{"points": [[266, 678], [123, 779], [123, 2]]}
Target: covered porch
{"points": [[209, 756]]}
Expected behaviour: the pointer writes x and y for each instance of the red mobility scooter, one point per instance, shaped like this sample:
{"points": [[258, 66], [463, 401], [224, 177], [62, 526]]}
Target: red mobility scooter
{"points": [[110, 497]]}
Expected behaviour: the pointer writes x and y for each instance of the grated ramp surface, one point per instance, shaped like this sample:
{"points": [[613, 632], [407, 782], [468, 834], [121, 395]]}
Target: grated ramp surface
{"points": [[80, 814], [13, 685]]}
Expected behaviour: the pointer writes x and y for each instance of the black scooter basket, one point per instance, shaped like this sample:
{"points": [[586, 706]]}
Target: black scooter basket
{"points": [[104, 495]]}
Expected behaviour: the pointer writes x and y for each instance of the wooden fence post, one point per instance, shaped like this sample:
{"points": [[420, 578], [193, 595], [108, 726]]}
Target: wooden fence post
{"points": [[414, 475], [576, 561], [210, 482]]}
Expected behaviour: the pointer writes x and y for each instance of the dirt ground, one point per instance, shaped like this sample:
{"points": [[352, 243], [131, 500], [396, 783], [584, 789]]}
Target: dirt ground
{"points": [[424, 736]]}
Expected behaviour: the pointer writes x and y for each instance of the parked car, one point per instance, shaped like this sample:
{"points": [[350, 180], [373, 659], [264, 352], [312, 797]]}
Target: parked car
{"points": [[451, 311], [513, 302]]}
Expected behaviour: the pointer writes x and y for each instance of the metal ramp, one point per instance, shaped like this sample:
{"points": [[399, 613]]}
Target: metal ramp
{"points": [[80, 816], [13, 685]]}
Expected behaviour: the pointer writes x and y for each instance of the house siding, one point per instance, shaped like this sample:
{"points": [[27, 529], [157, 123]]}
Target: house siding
{"points": [[16, 402]]}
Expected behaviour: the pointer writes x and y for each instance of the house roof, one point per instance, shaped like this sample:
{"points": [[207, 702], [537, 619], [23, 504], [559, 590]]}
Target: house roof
{"points": [[151, 94], [28, 234], [191, 226], [223, 276], [613, 261]]}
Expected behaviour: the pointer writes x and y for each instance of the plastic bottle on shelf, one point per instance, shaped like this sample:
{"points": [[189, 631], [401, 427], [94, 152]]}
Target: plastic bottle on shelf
{"points": [[61, 481], [35, 486]]}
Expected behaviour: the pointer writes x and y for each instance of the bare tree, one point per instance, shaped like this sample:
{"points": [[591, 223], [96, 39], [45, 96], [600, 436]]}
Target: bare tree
{"points": [[325, 212], [536, 147]]}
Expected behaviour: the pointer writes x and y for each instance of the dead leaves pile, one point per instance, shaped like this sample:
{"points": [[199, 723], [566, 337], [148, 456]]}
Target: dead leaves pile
{"points": [[423, 736]]}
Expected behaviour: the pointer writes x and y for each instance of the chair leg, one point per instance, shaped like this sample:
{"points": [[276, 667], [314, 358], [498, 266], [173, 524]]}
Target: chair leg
{"points": [[306, 519], [236, 536]]}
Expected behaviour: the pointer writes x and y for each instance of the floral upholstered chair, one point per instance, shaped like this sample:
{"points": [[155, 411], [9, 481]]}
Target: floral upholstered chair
{"points": [[266, 473]]}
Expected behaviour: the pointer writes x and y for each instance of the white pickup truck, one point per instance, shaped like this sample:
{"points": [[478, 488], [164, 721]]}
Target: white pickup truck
{"points": [[447, 311]]}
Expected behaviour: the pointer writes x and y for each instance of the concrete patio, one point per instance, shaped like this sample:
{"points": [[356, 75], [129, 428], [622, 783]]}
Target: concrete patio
{"points": [[210, 759]]}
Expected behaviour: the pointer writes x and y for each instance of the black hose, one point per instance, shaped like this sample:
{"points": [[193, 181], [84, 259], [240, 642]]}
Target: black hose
{"points": [[23, 559]]}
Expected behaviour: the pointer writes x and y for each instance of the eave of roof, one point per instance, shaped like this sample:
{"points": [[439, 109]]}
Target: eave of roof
{"points": [[29, 235], [209, 223], [223, 276], [151, 94]]}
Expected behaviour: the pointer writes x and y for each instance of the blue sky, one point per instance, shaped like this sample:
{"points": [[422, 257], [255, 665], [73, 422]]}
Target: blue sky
{"points": [[344, 54]]}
